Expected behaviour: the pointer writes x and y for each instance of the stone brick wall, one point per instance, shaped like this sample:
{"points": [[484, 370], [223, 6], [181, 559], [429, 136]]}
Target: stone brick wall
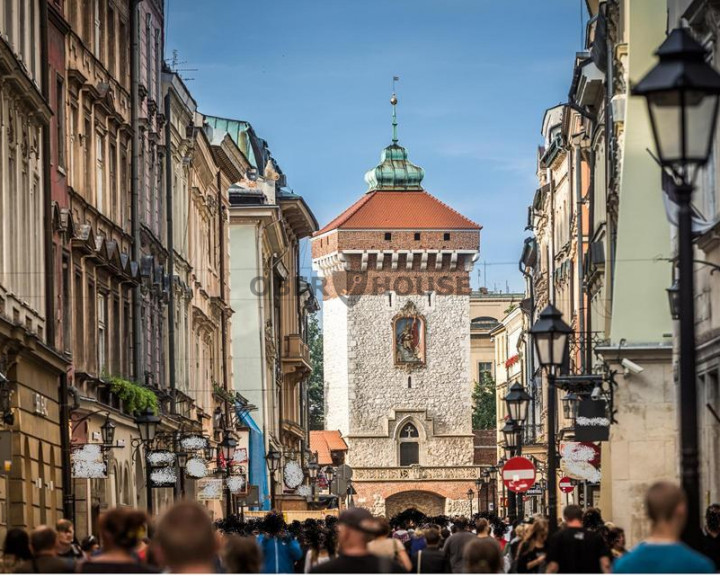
{"points": [[335, 361], [389, 498], [485, 444]]}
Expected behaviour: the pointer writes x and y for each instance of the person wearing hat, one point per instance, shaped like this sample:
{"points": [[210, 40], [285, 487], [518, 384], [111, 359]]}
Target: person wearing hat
{"points": [[357, 527]]}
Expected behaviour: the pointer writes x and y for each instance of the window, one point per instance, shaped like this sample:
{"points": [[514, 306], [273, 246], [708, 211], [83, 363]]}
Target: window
{"points": [[67, 311], [100, 172], [388, 236], [87, 11], [124, 47], [446, 236], [417, 235], [60, 119], [148, 56], [102, 332], [97, 46], [111, 40], [409, 445], [87, 185], [484, 370], [112, 174], [9, 19], [409, 382]]}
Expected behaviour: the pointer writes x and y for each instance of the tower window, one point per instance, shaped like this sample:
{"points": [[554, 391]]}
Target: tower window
{"points": [[417, 235], [409, 382], [409, 445], [388, 236], [446, 236]]}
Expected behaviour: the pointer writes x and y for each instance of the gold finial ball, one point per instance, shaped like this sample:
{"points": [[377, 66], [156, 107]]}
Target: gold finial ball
{"points": [[393, 100]]}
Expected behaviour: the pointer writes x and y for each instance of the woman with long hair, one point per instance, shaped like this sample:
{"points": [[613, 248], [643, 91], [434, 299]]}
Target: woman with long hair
{"points": [[531, 553], [121, 532], [16, 549]]}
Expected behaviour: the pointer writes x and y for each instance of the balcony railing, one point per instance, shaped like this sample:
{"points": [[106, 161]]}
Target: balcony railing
{"points": [[296, 350]]}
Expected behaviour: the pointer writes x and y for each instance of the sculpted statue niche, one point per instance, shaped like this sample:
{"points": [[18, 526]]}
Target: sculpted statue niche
{"points": [[409, 337]]}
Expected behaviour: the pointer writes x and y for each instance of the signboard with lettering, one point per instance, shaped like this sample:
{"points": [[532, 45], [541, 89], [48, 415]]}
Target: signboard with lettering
{"points": [[592, 423]]}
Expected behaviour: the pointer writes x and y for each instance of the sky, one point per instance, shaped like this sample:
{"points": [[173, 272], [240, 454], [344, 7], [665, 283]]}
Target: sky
{"points": [[314, 78]]}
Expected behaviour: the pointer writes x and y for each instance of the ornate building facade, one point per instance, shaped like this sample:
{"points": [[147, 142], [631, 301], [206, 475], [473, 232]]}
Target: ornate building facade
{"points": [[396, 322]]}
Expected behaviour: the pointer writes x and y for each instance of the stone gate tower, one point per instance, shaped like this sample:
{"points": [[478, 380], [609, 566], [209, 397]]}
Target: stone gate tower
{"points": [[398, 383]]}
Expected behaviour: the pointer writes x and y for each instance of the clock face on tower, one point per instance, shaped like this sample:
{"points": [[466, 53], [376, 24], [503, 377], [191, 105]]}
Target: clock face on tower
{"points": [[409, 337]]}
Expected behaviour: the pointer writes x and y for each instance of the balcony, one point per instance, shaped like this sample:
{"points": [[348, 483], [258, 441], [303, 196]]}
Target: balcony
{"points": [[296, 356]]}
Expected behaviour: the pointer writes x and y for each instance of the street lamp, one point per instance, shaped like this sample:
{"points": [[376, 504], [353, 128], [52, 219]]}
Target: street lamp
{"points": [[470, 496], [182, 458], [209, 452], [313, 469], [147, 423], [682, 92], [674, 300], [108, 432], [488, 484], [478, 489], [570, 405], [551, 334], [329, 475], [272, 459], [227, 447], [512, 433], [517, 401]]}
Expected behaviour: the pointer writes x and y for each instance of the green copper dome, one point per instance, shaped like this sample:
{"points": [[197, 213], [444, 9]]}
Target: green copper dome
{"points": [[395, 171]]}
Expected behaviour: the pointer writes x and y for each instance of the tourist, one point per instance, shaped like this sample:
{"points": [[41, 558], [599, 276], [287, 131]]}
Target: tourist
{"points": [[241, 555], [482, 556], [711, 537], [455, 545], [356, 527], [616, 539], [67, 546], [430, 560], [482, 528], [185, 541], [280, 550], [16, 549], [531, 553], [662, 552], [90, 546], [121, 530], [576, 550], [44, 544], [320, 545], [498, 533], [388, 547]]}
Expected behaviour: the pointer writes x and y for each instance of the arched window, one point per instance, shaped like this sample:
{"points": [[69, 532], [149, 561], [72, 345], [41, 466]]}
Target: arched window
{"points": [[409, 445]]}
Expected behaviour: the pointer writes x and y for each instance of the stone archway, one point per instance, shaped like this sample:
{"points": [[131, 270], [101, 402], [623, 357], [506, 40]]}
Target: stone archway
{"points": [[428, 503]]}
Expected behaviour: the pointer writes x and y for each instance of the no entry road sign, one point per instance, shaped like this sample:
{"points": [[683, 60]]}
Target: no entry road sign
{"points": [[566, 484], [518, 474]]}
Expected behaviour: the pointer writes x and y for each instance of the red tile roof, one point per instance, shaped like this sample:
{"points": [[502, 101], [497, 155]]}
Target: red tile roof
{"points": [[396, 210], [324, 442]]}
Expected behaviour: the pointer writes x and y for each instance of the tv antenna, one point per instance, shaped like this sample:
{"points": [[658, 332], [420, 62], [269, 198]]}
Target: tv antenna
{"points": [[175, 64]]}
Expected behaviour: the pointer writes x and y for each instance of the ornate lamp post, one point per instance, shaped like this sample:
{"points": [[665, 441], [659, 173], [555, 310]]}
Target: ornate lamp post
{"points": [[227, 447], [470, 495], [329, 475], [313, 470], [272, 458], [682, 92], [486, 481], [517, 401], [570, 405], [182, 458], [107, 430], [478, 489], [147, 424], [550, 334]]}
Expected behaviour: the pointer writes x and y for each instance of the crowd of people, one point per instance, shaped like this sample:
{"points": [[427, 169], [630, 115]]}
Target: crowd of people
{"points": [[185, 540]]}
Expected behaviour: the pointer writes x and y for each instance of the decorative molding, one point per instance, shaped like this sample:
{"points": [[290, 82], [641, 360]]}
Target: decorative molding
{"points": [[415, 473]]}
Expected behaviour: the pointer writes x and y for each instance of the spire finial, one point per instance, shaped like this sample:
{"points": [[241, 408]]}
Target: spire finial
{"points": [[393, 101]]}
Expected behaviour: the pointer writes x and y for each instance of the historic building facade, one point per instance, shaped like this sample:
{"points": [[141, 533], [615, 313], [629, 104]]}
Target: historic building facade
{"points": [[396, 322]]}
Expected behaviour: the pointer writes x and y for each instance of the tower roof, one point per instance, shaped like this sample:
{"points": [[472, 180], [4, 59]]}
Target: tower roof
{"points": [[398, 210]]}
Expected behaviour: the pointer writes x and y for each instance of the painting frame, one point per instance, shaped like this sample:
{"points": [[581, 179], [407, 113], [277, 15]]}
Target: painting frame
{"points": [[409, 332]]}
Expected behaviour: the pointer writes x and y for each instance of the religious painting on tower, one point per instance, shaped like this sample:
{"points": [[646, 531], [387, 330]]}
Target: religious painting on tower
{"points": [[409, 337]]}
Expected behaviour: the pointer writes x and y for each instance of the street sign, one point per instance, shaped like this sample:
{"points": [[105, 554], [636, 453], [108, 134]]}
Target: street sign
{"points": [[566, 485], [518, 474], [535, 490], [340, 481]]}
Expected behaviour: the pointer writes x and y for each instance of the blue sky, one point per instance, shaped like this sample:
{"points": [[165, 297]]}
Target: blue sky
{"points": [[314, 77]]}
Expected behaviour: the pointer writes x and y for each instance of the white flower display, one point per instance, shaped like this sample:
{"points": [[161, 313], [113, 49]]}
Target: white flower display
{"points": [[161, 458], [192, 443], [304, 490], [293, 474], [236, 484], [196, 468]]}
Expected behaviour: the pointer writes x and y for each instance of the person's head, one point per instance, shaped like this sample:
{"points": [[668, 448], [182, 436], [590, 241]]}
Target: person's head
{"points": [[356, 527], [273, 524], [17, 544], [89, 545], [573, 515], [666, 507], [185, 539], [242, 555], [432, 537], [616, 538], [536, 532], [520, 530], [65, 531], [122, 529], [712, 518], [483, 527], [43, 541], [482, 555], [499, 531], [461, 523], [383, 527], [592, 519]]}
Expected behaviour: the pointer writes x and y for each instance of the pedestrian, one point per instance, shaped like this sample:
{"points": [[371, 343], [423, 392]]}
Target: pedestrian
{"points": [[316, 538], [67, 545], [16, 549], [121, 530], [383, 545], [185, 540], [455, 545], [45, 559], [711, 537], [241, 555], [662, 552], [576, 550], [430, 560], [356, 527], [482, 556], [280, 550], [482, 528], [418, 542], [498, 533], [90, 546], [616, 539], [531, 553]]}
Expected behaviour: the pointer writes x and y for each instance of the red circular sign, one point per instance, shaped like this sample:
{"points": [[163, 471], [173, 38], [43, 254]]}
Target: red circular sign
{"points": [[566, 485], [518, 474]]}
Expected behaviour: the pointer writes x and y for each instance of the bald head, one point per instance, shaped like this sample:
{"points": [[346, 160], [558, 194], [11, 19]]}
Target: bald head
{"points": [[665, 502]]}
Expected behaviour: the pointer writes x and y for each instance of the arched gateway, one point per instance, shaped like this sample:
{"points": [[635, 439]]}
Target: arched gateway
{"points": [[396, 324], [428, 503]]}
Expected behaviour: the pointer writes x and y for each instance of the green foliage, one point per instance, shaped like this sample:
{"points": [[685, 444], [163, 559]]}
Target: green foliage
{"points": [[484, 416], [135, 398], [316, 382]]}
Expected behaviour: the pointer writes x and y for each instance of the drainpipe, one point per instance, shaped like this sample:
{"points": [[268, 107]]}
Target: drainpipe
{"points": [[551, 244], [138, 360], [47, 188], [591, 232], [171, 252], [223, 313], [68, 494], [609, 147], [580, 276]]}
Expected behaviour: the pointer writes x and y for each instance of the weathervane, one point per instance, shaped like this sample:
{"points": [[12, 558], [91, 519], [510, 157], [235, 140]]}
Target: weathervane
{"points": [[393, 101]]}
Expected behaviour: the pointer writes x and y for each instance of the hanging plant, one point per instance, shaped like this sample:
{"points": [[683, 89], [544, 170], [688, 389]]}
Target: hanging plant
{"points": [[512, 361], [135, 398]]}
